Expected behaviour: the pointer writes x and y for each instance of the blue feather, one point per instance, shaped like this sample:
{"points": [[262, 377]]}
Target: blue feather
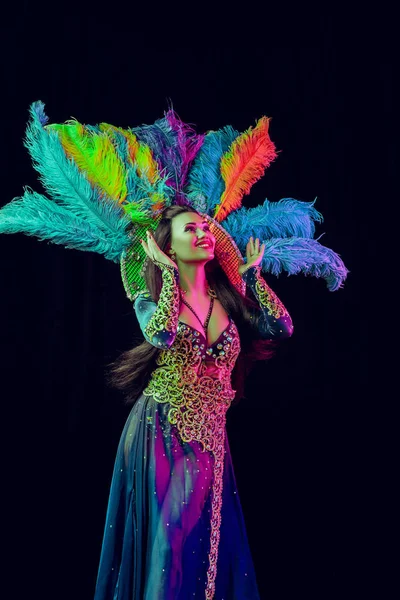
{"points": [[205, 183], [302, 255], [34, 214], [285, 218]]}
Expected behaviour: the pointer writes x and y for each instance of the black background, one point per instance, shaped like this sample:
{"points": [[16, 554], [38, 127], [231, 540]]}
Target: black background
{"points": [[301, 442]]}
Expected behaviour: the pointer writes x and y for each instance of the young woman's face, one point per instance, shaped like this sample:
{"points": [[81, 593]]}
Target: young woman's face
{"points": [[188, 231]]}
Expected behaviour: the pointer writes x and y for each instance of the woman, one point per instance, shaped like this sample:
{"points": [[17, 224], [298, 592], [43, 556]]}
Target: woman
{"points": [[174, 526]]}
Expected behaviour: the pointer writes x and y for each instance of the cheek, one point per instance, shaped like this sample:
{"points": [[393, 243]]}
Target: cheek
{"points": [[184, 244]]}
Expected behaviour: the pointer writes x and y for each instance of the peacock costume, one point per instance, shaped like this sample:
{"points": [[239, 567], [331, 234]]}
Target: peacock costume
{"points": [[174, 526]]}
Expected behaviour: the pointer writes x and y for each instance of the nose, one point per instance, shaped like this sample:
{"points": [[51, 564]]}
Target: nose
{"points": [[201, 235]]}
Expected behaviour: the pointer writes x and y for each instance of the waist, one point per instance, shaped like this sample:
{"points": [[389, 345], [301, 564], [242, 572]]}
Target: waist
{"points": [[175, 385], [197, 404]]}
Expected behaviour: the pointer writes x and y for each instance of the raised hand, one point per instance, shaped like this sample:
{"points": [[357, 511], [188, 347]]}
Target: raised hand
{"points": [[254, 254], [154, 253]]}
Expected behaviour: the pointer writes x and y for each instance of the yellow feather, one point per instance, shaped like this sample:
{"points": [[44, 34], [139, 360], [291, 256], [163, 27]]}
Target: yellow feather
{"points": [[96, 156]]}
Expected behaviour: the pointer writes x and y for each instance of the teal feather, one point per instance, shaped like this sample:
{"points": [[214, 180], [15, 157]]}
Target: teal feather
{"points": [[65, 183], [205, 184], [35, 215], [285, 218]]}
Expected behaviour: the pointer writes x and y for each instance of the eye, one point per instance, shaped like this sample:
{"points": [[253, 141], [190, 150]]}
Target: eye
{"points": [[192, 228]]}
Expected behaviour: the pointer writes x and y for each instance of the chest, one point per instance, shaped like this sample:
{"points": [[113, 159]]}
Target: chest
{"points": [[218, 321]]}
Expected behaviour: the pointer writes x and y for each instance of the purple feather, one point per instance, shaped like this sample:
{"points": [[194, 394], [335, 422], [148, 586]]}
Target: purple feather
{"points": [[189, 143]]}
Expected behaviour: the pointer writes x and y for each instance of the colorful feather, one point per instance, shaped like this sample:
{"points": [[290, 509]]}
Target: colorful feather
{"points": [[244, 163], [188, 145], [302, 255], [148, 193], [175, 144], [95, 156], [162, 140], [36, 215], [102, 179], [146, 165], [125, 142], [64, 182], [205, 184], [285, 218], [138, 153]]}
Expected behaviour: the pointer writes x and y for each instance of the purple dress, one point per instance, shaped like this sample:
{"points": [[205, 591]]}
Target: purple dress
{"points": [[174, 527]]}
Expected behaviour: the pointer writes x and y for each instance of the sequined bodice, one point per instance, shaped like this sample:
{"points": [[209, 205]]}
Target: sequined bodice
{"points": [[219, 347]]}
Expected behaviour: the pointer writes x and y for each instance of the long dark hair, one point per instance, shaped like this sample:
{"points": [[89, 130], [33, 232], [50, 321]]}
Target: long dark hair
{"points": [[131, 371]]}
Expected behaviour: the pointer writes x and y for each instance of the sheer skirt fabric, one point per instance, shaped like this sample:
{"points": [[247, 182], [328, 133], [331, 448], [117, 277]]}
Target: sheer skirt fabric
{"points": [[157, 532]]}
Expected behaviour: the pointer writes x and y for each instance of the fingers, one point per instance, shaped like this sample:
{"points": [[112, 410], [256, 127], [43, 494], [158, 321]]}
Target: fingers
{"points": [[149, 246], [146, 248], [254, 246], [254, 249], [153, 251]]}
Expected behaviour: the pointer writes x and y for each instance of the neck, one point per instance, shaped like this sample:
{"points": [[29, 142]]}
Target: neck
{"points": [[192, 279]]}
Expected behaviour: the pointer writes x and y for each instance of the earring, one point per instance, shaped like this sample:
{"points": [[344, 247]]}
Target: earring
{"points": [[173, 255]]}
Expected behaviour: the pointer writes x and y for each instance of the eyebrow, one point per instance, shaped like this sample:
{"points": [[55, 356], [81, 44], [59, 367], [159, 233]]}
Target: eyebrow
{"points": [[192, 223]]}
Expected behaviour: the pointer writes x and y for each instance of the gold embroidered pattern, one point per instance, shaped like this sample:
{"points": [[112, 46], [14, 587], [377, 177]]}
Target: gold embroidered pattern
{"points": [[267, 297], [216, 506], [166, 314], [198, 406]]}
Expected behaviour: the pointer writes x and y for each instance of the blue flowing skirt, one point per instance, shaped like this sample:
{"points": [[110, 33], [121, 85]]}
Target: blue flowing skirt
{"points": [[157, 531]]}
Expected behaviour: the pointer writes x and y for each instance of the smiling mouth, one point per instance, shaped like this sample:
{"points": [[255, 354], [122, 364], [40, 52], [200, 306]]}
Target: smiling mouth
{"points": [[204, 245]]}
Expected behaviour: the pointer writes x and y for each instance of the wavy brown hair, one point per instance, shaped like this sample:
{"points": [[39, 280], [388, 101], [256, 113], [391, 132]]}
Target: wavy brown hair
{"points": [[131, 371]]}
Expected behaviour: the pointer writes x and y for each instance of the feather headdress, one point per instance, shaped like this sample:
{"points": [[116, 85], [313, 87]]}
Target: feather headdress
{"points": [[107, 185]]}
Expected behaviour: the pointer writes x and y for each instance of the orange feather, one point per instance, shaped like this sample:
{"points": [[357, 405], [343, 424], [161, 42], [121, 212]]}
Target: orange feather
{"points": [[244, 164]]}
